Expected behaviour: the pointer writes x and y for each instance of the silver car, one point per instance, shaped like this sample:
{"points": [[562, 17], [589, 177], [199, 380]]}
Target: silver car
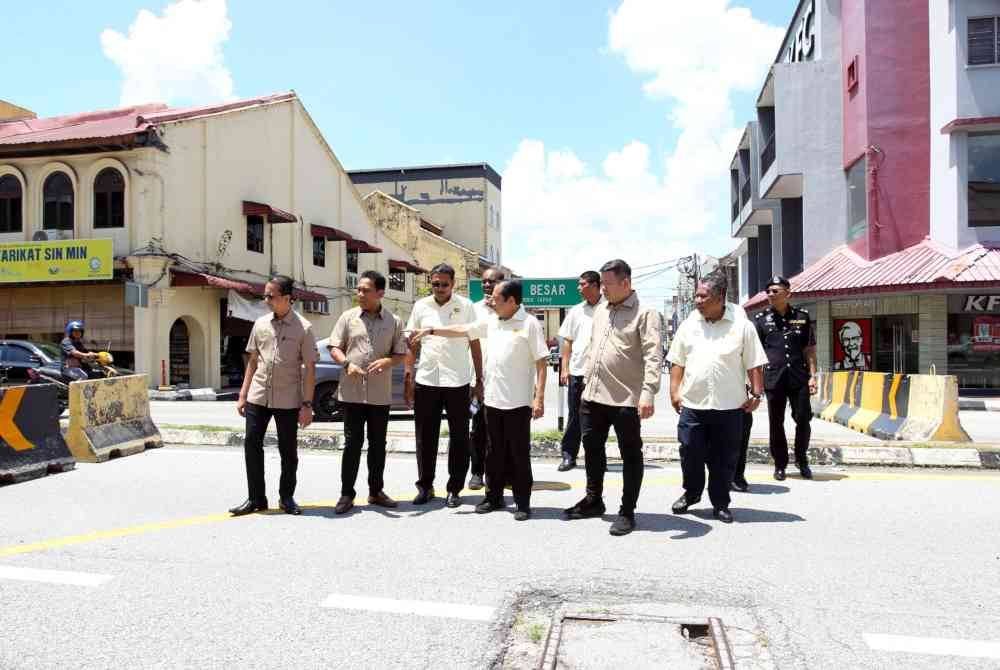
{"points": [[325, 405]]}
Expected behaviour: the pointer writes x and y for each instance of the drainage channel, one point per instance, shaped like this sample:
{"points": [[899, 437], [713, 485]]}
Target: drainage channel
{"points": [[582, 640]]}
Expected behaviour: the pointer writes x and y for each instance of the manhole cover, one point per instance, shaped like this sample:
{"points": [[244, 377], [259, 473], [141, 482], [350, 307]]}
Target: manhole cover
{"points": [[581, 641]]}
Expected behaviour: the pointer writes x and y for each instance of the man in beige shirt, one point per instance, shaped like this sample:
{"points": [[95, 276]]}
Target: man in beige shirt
{"points": [[621, 378], [279, 381], [367, 341], [713, 353]]}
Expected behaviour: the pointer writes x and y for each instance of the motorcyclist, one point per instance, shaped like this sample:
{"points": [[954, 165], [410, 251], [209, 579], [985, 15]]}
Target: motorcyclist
{"points": [[75, 353]]}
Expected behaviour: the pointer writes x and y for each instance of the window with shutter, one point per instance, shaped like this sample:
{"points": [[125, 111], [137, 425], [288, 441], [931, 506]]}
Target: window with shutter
{"points": [[983, 41]]}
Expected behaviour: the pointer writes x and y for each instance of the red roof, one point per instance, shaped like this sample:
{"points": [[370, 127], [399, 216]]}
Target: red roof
{"points": [[363, 247], [334, 234], [271, 214], [927, 265], [183, 278], [115, 123], [406, 266]]}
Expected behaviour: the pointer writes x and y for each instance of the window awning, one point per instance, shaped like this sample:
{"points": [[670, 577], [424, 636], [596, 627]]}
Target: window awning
{"points": [[184, 278], [972, 124], [406, 266], [332, 234], [270, 214], [362, 247]]}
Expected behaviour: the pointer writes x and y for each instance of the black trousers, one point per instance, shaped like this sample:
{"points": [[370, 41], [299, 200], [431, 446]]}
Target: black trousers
{"points": [[287, 422], [741, 463], [572, 435], [478, 439], [595, 422], [798, 398], [428, 402], [709, 437], [508, 455], [356, 415]]}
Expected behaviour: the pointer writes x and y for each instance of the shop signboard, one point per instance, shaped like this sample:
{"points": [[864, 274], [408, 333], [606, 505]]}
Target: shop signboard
{"points": [[57, 260], [972, 304], [540, 293], [852, 344]]}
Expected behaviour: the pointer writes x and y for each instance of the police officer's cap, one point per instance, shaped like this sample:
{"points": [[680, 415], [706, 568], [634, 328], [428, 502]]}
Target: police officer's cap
{"points": [[778, 280]]}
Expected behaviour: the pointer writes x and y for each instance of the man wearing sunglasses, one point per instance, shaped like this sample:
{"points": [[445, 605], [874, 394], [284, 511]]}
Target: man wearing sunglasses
{"points": [[441, 380], [279, 382], [479, 436], [789, 375]]}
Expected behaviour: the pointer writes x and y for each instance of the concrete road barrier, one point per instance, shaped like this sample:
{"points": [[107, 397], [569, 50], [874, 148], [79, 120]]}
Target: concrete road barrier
{"points": [[892, 406], [31, 442], [110, 418]]}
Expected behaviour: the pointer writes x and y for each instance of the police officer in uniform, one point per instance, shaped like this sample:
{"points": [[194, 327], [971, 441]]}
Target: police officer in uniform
{"points": [[790, 373]]}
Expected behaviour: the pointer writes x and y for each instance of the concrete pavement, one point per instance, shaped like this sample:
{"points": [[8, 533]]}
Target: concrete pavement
{"points": [[169, 580]]}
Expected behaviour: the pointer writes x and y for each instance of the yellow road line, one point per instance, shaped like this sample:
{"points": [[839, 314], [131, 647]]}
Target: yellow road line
{"points": [[613, 484]]}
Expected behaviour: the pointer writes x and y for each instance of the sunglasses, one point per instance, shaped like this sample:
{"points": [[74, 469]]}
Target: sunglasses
{"points": [[437, 284], [772, 291]]}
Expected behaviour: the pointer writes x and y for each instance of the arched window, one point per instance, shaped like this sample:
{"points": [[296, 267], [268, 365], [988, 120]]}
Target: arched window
{"points": [[58, 194], [11, 198], [109, 199]]}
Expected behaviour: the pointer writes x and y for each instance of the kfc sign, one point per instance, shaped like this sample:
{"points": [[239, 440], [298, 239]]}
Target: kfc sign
{"points": [[803, 41], [982, 303]]}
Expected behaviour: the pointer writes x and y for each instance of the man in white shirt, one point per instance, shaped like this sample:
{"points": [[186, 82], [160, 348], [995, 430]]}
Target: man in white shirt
{"points": [[479, 435], [515, 392], [575, 334], [713, 353], [441, 381]]}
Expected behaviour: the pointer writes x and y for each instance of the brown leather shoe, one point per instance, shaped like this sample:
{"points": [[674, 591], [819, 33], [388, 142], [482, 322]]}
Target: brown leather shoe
{"points": [[344, 505], [381, 499]]}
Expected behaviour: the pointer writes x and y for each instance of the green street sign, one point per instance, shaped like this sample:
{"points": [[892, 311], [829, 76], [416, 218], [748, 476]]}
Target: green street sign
{"points": [[538, 293]]}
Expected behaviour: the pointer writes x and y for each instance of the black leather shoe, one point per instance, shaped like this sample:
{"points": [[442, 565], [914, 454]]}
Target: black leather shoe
{"points": [[805, 470], [740, 485], [723, 514], [587, 508], [522, 515], [682, 504], [249, 507], [623, 525], [344, 505], [779, 474], [424, 497], [453, 500], [487, 506], [475, 482], [290, 506], [568, 463]]}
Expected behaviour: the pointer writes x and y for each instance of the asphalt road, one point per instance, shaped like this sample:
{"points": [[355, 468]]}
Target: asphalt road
{"points": [[981, 426], [134, 563]]}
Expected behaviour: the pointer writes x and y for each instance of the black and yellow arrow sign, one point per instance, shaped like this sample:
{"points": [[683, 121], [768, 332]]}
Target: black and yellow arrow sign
{"points": [[9, 432]]}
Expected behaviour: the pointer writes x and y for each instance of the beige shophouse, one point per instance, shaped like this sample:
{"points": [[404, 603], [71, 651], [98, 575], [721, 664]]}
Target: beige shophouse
{"points": [[202, 205]]}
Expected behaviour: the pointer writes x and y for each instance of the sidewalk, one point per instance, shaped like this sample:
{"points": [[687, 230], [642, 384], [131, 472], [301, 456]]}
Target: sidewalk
{"points": [[970, 404]]}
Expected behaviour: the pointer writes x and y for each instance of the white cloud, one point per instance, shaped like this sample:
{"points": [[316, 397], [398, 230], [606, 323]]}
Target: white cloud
{"points": [[560, 216], [176, 57]]}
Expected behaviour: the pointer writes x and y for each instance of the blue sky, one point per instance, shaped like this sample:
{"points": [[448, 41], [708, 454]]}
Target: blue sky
{"points": [[578, 100]]}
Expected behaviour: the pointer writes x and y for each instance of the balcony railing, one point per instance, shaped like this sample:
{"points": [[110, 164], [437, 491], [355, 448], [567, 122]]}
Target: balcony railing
{"points": [[736, 210], [767, 155], [745, 192]]}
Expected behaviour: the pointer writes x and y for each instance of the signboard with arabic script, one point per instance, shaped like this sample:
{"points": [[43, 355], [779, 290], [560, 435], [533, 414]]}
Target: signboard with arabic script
{"points": [[61, 260]]}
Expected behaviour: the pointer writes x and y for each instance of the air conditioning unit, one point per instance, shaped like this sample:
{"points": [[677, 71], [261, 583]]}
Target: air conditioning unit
{"points": [[51, 235]]}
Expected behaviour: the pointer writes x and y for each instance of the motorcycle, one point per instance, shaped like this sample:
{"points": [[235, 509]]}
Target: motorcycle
{"points": [[101, 367]]}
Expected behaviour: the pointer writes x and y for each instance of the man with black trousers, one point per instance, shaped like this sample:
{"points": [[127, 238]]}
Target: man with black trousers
{"points": [[713, 353], [479, 436], [622, 376], [515, 393], [368, 342], [575, 334], [279, 382], [790, 374], [441, 381]]}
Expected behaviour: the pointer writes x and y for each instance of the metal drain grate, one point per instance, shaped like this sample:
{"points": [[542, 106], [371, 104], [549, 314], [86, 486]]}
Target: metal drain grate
{"points": [[575, 640]]}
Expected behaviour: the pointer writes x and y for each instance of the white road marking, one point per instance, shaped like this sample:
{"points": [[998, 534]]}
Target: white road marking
{"points": [[52, 576], [420, 607], [936, 646]]}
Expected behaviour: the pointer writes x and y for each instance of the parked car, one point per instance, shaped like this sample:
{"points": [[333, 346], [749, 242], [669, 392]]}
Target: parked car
{"points": [[19, 356], [325, 406]]}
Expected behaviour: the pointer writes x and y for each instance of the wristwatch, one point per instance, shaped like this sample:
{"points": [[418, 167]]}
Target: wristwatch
{"points": [[432, 330], [755, 396], [307, 403]]}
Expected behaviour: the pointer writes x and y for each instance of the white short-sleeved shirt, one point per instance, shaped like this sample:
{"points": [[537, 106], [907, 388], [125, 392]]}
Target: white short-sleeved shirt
{"points": [[443, 361], [576, 328], [483, 313], [514, 346], [716, 357]]}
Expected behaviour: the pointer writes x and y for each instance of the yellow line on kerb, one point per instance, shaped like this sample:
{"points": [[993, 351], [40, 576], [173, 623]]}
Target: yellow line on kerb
{"points": [[613, 484]]}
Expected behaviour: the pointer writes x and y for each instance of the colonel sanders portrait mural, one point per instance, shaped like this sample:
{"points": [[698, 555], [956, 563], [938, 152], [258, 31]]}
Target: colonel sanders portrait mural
{"points": [[852, 344]]}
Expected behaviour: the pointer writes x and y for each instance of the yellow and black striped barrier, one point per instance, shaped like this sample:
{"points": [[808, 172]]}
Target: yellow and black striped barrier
{"points": [[892, 406], [31, 443]]}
